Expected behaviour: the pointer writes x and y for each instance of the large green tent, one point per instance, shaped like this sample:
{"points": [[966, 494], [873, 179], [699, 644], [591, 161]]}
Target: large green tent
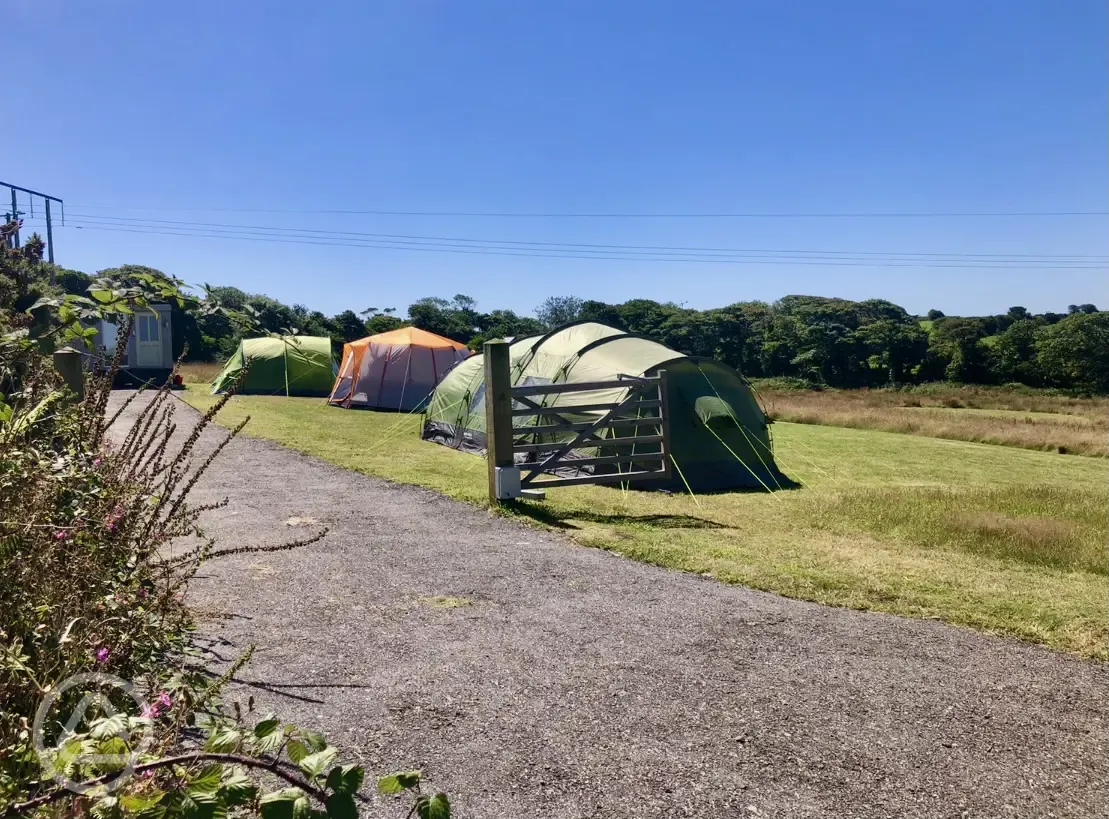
{"points": [[719, 435], [280, 365]]}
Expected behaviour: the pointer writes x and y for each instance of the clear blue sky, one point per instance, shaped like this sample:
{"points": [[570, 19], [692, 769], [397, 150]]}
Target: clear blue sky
{"points": [[147, 110]]}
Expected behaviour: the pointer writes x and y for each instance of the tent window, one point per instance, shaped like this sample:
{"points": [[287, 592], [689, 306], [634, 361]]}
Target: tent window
{"points": [[714, 412], [529, 381], [479, 396]]}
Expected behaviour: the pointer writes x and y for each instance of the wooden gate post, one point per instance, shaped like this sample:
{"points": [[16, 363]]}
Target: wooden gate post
{"points": [[67, 362], [498, 411]]}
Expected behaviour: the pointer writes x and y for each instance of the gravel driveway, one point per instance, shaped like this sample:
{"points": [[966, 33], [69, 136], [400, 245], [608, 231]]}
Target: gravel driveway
{"points": [[529, 677]]}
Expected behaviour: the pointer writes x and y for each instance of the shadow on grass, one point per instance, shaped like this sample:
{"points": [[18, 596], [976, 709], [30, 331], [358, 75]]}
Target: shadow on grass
{"points": [[541, 514]]}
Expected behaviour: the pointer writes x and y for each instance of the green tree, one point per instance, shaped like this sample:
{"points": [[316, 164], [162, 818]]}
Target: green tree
{"points": [[692, 332], [456, 319], [741, 329], [894, 348], [781, 345], [556, 311], [349, 326], [645, 316], [1015, 351], [957, 343], [827, 353], [601, 312], [382, 321], [1075, 352], [504, 324]]}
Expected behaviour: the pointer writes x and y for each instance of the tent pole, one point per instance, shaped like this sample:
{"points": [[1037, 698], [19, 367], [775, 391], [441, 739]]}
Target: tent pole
{"points": [[285, 359], [404, 384], [384, 369]]}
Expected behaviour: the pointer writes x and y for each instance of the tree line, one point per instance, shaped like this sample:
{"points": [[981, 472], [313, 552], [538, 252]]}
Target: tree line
{"points": [[819, 340]]}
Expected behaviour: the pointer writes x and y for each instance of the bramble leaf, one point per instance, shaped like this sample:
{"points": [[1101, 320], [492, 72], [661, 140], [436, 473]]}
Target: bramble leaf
{"points": [[279, 804], [341, 806], [345, 778], [315, 764], [395, 783]]}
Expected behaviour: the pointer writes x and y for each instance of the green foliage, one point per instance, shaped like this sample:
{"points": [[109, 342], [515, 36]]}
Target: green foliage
{"points": [[1014, 351], [350, 327], [1075, 351], [383, 323], [958, 343], [87, 584], [556, 311], [456, 319]]}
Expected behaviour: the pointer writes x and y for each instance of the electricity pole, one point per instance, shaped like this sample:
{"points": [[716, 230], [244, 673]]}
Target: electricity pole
{"points": [[14, 216]]}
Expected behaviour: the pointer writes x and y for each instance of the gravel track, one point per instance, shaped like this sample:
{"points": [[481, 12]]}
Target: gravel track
{"points": [[561, 681]]}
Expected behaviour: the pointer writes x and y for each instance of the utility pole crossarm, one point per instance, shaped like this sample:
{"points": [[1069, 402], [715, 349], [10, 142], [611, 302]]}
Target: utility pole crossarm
{"points": [[49, 220]]}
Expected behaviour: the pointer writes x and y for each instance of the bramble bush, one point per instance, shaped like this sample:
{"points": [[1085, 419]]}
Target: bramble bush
{"points": [[98, 542]]}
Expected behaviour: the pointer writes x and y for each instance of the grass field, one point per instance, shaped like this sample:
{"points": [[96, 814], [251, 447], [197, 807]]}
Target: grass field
{"points": [[996, 538], [1078, 426]]}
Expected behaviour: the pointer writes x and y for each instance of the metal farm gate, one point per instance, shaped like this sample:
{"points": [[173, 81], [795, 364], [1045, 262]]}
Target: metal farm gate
{"points": [[534, 443]]}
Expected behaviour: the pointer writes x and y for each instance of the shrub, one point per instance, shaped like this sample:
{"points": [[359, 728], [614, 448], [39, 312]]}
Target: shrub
{"points": [[88, 586]]}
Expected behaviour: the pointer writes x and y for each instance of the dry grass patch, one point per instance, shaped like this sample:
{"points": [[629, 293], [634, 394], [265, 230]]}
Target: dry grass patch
{"points": [[1051, 424], [200, 372]]}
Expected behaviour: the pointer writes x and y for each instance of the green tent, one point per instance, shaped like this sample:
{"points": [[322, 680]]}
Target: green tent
{"points": [[719, 435], [281, 365]]}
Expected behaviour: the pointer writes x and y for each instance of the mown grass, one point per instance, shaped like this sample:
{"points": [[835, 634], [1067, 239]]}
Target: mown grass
{"points": [[1028, 420], [995, 538]]}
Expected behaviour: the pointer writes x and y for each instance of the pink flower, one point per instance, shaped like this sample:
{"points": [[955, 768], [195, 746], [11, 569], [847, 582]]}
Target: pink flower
{"points": [[165, 700], [61, 534], [96, 462], [102, 654], [150, 711], [112, 518]]}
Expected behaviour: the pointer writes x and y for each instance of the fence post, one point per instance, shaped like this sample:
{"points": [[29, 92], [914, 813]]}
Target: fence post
{"points": [[67, 362], [498, 412]]}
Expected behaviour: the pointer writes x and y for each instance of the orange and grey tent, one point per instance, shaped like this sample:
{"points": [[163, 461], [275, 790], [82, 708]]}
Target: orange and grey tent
{"points": [[396, 370]]}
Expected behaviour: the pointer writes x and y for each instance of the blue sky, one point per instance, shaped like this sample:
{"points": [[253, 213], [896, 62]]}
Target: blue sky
{"points": [[269, 113]]}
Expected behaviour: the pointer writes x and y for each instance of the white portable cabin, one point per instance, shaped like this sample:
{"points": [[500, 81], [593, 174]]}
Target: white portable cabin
{"points": [[149, 352]]}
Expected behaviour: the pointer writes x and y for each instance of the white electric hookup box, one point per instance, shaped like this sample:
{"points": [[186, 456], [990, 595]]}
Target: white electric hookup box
{"points": [[507, 480]]}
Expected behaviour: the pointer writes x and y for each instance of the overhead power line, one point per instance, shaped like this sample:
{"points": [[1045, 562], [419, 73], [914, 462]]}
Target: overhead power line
{"points": [[283, 236], [123, 221], [630, 215]]}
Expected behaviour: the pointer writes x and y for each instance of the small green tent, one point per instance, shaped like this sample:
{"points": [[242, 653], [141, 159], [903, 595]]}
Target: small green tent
{"points": [[719, 435], [280, 365]]}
